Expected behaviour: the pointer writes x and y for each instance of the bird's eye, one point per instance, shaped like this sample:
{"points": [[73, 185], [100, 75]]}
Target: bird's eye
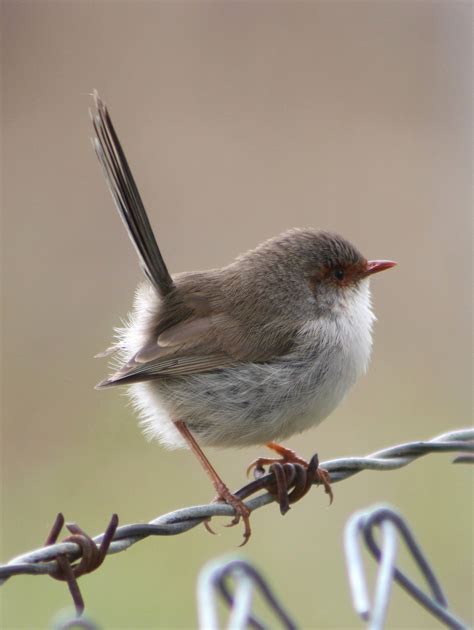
{"points": [[339, 274]]}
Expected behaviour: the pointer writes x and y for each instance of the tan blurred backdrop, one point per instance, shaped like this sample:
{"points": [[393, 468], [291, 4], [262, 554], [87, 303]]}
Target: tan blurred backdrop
{"points": [[240, 119]]}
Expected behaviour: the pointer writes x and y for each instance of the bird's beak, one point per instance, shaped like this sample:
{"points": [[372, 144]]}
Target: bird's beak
{"points": [[374, 266]]}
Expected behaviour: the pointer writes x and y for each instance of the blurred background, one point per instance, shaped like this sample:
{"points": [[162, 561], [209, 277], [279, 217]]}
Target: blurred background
{"points": [[240, 120]]}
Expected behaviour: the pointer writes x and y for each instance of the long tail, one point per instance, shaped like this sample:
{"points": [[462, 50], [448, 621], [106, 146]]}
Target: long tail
{"points": [[127, 198]]}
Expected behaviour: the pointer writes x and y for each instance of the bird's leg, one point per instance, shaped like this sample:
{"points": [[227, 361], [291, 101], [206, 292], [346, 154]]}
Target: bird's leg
{"points": [[223, 492], [313, 474]]}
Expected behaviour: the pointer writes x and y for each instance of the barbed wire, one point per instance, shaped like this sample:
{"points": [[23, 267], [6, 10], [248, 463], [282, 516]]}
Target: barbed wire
{"points": [[43, 560], [49, 560]]}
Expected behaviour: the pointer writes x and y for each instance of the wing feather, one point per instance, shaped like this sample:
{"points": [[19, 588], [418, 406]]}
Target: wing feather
{"points": [[172, 366]]}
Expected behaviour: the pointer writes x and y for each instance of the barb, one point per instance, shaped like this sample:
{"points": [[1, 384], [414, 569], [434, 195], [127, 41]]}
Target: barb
{"points": [[214, 581], [391, 524], [43, 561], [91, 558]]}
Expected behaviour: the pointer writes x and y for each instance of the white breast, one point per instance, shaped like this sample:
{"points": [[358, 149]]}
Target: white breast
{"points": [[345, 358], [256, 403]]}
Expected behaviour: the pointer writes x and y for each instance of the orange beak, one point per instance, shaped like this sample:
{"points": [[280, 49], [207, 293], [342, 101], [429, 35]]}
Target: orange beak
{"points": [[374, 266]]}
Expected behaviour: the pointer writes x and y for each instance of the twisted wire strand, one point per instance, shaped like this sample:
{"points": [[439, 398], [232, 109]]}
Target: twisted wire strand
{"points": [[43, 561]]}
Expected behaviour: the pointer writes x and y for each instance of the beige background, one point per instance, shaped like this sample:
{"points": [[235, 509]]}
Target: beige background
{"points": [[240, 119]]}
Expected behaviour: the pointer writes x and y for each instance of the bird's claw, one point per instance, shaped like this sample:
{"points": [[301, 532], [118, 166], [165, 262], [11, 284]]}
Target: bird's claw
{"points": [[207, 525], [241, 511], [324, 478], [291, 471], [258, 466]]}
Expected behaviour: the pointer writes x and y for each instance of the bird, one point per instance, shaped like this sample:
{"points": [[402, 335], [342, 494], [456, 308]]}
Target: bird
{"points": [[248, 354]]}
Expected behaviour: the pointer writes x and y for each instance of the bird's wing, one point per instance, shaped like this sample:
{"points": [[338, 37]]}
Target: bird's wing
{"points": [[175, 365], [198, 344], [127, 198], [186, 347]]}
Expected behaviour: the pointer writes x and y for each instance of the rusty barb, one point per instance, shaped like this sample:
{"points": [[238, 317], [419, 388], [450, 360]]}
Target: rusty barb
{"points": [[288, 482], [91, 555]]}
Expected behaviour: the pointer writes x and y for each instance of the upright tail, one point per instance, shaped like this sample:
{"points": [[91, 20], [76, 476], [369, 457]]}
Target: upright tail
{"points": [[127, 198]]}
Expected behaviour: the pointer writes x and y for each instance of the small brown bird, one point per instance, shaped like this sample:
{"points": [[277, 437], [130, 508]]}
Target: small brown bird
{"points": [[256, 351]]}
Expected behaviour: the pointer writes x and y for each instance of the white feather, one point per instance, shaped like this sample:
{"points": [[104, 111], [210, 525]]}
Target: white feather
{"points": [[256, 403]]}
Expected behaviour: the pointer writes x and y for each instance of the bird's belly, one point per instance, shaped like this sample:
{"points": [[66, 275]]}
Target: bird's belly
{"points": [[249, 403]]}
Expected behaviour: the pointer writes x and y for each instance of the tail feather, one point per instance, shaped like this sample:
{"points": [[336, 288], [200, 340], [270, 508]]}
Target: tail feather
{"points": [[127, 198]]}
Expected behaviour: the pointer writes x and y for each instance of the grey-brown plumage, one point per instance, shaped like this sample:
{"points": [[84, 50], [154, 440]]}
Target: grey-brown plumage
{"points": [[253, 352], [260, 349], [244, 312]]}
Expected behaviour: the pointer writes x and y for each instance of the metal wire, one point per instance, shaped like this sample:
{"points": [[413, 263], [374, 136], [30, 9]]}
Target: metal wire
{"points": [[68, 620], [213, 581], [43, 561], [391, 525]]}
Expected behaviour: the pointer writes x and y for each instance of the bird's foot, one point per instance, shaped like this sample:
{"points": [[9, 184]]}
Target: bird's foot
{"points": [[287, 456], [290, 470], [241, 511]]}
